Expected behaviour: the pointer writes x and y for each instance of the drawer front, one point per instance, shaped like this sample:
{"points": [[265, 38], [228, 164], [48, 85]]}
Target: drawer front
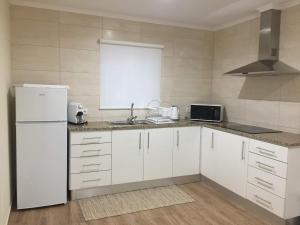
{"points": [[267, 181], [90, 164], [89, 180], [269, 150], [266, 200], [268, 165], [90, 150], [82, 138]]}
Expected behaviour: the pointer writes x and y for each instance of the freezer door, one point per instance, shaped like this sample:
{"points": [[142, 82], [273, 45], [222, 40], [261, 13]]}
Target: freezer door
{"points": [[41, 104], [41, 164]]}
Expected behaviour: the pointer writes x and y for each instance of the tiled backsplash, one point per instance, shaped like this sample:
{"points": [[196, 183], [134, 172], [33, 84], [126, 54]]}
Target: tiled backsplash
{"points": [[272, 101], [60, 47]]}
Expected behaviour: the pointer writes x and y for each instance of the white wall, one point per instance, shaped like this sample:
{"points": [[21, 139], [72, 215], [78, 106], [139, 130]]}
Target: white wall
{"points": [[5, 193]]}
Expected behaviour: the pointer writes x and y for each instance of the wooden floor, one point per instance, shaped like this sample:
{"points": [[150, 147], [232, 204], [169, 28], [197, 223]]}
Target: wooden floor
{"points": [[210, 208]]}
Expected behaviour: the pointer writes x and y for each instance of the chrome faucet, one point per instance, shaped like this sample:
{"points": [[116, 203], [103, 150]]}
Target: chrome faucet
{"points": [[131, 119]]}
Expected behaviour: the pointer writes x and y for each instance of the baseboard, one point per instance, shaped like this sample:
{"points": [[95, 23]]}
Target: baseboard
{"points": [[7, 215]]}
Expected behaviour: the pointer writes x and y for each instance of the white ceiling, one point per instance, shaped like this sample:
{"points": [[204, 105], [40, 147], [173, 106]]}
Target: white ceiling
{"points": [[210, 14]]}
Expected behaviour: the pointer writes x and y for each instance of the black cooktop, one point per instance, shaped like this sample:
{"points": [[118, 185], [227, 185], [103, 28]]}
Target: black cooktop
{"points": [[248, 129]]}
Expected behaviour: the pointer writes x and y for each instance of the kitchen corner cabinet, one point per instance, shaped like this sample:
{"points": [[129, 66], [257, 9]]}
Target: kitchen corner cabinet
{"points": [[186, 151], [224, 159], [158, 147], [127, 156]]}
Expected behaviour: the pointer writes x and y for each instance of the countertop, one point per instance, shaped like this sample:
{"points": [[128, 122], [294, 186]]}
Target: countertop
{"points": [[284, 139]]}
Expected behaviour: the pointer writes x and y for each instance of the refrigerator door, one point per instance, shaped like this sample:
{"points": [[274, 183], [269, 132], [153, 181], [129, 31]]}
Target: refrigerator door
{"points": [[41, 164], [41, 104]]}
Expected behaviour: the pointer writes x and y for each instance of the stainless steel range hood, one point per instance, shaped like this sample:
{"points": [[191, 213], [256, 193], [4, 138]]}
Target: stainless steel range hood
{"points": [[268, 53]]}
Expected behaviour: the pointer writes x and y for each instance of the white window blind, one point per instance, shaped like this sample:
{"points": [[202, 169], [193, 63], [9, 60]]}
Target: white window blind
{"points": [[130, 72]]}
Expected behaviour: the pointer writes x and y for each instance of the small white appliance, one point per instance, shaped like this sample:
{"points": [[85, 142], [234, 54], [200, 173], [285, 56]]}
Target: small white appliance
{"points": [[174, 113], [76, 113], [41, 145]]}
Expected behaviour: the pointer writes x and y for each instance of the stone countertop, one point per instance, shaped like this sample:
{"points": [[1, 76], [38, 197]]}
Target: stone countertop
{"points": [[104, 125], [284, 139]]}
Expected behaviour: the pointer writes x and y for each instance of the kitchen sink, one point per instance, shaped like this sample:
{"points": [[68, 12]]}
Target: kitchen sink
{"points": [[125, 123]]}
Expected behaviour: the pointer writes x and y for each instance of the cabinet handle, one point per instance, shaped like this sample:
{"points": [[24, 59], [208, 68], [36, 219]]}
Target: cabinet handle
{"points": [[140, 141], [148, 144], [89, 171], [88, 156], [243, 150], [91, 138], [265, 167], [96, 150], [263, 202], [87, 181], [263, 182], [266, 152], [212, 140], [177, 138], [92, 164]]}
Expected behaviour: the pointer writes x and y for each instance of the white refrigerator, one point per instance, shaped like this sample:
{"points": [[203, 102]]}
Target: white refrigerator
{"points": [[41, 148]]}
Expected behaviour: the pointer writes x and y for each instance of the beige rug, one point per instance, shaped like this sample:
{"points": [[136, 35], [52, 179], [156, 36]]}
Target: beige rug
{"points": [[133, 201]]}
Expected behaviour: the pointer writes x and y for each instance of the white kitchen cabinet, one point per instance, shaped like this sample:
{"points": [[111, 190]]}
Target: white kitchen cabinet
{"points": [[127, 156], [89, 159], [231, 162], [223, 159], [208, 155], [158, 153], [186, 152]]}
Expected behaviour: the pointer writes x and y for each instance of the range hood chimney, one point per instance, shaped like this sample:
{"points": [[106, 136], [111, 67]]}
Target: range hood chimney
{"points": [[268, 53]]}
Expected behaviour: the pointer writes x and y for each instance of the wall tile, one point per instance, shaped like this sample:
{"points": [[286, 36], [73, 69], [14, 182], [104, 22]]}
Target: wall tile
{"points": [[185, 87], [22, 12], [28, 57], [79, 37], [228, 87], [266, 112], [121, 35], [81, 84], [121, 25], [79, 19], [35, 77], [289, 114], [80, 61], [34, 32]]}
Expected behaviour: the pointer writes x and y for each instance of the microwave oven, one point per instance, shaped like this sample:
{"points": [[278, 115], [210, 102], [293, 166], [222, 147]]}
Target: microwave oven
{"points": [[206, 112]]}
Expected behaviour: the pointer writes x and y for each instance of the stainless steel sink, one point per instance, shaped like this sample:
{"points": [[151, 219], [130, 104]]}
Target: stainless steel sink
{"points": [[126, 123]]}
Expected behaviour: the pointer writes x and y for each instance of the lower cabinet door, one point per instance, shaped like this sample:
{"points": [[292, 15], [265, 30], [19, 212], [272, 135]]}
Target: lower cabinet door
{"points": [[208, 152], [231, 162], [186, 153], [158, 153], [127, 156]]}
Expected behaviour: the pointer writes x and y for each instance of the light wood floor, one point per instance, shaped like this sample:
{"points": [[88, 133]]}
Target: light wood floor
{"points": [[210, 208]]}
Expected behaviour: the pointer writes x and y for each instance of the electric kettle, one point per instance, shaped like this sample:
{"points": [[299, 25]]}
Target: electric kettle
{"points": [[174, 113]]}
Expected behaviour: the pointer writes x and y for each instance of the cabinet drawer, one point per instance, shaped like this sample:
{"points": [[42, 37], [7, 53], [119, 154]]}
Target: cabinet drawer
{"points": [[267, 181], [90, 150], [268, 165], [266, 200], [90, 164], [89, 180], [269, 150], [95, 137]]}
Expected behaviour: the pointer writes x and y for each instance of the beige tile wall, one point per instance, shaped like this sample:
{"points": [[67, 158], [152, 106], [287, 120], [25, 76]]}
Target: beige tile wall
{"points": [[52, 47], [267, 101]]}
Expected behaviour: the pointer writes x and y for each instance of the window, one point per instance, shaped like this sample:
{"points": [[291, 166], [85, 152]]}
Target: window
{"points": [[130, 72]]}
